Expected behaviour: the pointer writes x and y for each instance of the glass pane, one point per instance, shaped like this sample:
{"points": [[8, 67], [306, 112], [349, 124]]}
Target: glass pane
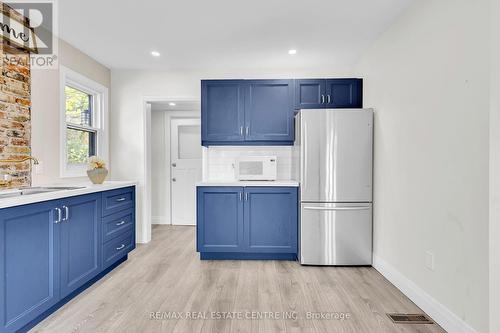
{"points": [[189, 141], [80, 145], [78, 107]]}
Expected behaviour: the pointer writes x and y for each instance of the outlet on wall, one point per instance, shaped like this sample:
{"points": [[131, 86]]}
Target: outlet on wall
{"points": [[429, 260]]}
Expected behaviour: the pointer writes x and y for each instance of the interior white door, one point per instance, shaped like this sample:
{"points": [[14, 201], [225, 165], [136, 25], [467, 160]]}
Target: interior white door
{"points": [[186, 168]]}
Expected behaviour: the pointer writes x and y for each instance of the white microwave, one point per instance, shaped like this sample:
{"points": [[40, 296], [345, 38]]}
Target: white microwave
{"points": [[256, 168]]}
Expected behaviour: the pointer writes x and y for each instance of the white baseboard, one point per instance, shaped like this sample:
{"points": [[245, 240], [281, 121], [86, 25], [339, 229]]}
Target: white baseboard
{"points": [[159, 220], [437, 311]]}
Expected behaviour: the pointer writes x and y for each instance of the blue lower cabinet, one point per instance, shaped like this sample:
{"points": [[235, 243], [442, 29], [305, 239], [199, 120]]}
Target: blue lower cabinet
{"points": [[117, 248], [247, 223], [271, 220], [80, 241], [219, 219], [51, 251], [29, 263]]}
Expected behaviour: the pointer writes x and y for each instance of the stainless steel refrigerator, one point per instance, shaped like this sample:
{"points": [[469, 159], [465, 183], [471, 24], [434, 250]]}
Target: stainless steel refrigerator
{"points": [[335, 161]]}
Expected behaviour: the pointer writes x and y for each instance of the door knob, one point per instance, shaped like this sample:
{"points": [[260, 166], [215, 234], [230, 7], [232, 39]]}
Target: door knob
{"points": [[174, 164], [174, 180]]}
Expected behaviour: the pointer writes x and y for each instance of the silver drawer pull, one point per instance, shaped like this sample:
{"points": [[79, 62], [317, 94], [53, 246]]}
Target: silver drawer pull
{"points": [[120, 247], [121, 223], [121, 199]]}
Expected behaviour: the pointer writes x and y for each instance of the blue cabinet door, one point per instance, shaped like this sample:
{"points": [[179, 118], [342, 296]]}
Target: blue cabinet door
{"points": [[310, 94], [80, 241], [29, 263], [344, 93], [222, 111], [219, 219], [269, 111], [271, 219]]}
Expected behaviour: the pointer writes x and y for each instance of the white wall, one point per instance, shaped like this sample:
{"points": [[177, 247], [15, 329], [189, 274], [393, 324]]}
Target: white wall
{"points": [[159, 212], [495, 170], [427, 78], [45, 110], [129, 90]]}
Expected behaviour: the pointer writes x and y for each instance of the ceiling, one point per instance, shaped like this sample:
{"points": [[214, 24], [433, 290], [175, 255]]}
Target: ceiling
{"points": [[228, 34]]}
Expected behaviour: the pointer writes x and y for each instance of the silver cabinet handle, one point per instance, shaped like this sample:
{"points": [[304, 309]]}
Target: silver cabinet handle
{"points": [[59, 215], [120, 223], [120, 247], [66, 213], [121, 199], [328, 99], [241, 130], [247, 130], [336, 208], [241, 196], [246, 196], [322, 99]]}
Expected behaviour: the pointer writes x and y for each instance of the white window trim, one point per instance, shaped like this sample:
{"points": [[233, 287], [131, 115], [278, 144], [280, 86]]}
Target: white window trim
{"points": [[79, 81]]}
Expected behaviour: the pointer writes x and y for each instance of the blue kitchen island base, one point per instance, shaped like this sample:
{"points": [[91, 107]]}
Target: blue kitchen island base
{"points": [[68, 298], [247, 256]]}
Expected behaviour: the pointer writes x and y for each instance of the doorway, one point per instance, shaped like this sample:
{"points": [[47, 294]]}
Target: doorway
{"points": [[175, 161]]}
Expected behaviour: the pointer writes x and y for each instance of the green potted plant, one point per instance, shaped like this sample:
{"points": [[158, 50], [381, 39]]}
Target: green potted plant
{"points": [[97, 171]]}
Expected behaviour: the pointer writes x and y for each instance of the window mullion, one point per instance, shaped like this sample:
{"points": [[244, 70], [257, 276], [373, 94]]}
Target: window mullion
{"points": [[82, 128]]}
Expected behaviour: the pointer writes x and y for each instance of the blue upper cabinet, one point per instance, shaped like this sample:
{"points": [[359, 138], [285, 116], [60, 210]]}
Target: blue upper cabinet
{"points": [[247, 112], [310, 94], [328, 93], [269, 111], [80, 241], [219, 219], [29, 263], [260, 112], [271, 219], [344, 93], [222, 111]]}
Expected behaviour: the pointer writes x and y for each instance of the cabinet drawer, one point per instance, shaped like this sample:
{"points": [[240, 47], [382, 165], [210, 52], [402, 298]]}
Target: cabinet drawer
{"points": [[116, 224], [117, 248], [117, 200]]}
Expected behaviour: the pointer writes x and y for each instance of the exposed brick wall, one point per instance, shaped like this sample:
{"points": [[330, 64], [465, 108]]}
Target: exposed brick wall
{"points": [[15, 113]]}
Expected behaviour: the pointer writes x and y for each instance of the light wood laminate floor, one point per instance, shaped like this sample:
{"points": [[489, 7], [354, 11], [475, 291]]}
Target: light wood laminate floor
{"points": [[167, 276]]}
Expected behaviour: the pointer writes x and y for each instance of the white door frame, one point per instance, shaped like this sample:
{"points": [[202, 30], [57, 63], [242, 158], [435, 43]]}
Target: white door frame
{"points": [[145, 190]]}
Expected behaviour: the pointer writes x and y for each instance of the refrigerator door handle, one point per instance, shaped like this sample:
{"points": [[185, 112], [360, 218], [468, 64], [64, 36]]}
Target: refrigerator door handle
{"points": [[337, 208], [303, 146]]}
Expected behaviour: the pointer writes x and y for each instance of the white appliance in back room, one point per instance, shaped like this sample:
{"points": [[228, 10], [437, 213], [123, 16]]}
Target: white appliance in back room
{"points": [[335, 148]]}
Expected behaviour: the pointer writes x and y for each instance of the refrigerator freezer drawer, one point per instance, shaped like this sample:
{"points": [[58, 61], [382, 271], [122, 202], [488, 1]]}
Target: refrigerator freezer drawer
{"points": [[336, 234]]}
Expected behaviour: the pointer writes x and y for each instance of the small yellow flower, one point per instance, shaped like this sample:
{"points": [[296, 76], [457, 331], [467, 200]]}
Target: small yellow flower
{"points": [[96, 163]]}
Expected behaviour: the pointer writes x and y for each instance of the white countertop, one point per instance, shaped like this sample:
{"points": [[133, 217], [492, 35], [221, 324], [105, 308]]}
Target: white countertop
{"points": [[291, 183], [40, 197]]}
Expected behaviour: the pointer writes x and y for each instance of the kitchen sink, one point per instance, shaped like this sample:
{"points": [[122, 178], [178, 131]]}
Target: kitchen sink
{"points": [[35, 190]]}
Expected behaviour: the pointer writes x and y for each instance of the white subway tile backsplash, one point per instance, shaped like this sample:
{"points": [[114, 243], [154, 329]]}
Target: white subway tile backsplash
{"points": [[220, 161]]}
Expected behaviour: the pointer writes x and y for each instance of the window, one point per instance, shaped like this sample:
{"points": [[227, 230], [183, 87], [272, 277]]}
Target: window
{"points": [[84, 104]]}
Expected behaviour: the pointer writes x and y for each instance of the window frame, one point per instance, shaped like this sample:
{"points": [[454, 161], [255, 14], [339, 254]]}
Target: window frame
{"points": [[99, 126]]}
